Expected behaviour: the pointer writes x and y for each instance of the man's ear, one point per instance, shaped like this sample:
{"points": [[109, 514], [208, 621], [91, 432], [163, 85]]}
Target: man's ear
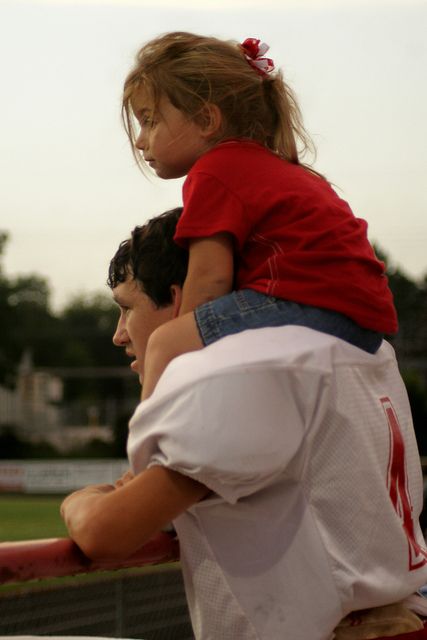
{"points": [[176, 295], [211, 120]]}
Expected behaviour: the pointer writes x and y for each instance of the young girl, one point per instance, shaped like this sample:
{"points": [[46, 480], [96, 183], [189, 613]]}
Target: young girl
{"points": [[270, 242]]}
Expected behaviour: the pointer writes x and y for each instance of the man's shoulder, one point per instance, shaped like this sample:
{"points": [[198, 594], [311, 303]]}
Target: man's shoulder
{"points": [[290, 349]]}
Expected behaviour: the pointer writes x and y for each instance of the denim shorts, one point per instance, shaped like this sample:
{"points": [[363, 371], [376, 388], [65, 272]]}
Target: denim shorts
{"points": [[249, 309]]}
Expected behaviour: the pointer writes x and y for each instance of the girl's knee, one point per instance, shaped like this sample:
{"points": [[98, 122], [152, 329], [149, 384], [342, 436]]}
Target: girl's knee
{"points": [[175, 337], [161, 340]]}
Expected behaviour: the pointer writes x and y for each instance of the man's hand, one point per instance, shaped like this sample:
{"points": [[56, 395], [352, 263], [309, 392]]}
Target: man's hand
{"points": [[113, 522], [77, 497], [126, 477]]}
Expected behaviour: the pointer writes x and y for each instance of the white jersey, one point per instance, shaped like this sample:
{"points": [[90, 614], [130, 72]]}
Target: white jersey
{"points": [[308, 447]]}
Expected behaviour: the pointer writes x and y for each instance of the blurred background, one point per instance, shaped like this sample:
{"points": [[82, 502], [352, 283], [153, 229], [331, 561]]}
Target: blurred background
{"points": [[70, 193]]}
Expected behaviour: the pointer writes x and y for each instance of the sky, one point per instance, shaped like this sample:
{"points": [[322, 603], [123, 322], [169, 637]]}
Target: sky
{"points": [[69, 188]]}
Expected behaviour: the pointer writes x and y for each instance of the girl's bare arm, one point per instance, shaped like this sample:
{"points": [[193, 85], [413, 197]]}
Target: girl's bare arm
{"points": [[210, 271]]}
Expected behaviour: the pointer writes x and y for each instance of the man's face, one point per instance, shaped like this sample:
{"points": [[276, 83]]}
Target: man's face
{"points": [[139, 317]]}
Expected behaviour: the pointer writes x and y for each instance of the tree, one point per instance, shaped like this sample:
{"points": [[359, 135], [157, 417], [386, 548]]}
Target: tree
{"points": [[4, 310], [89, 322], [411, 304], [25, 317], [79, 336], [411, 342]]}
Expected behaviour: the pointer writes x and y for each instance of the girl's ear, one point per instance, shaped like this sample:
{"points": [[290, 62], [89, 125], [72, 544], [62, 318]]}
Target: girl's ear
{"points": [[211, 120]]}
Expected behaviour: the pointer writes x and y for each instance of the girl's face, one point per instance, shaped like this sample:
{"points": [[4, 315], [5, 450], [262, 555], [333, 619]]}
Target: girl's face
{"points": [[171, 142]]}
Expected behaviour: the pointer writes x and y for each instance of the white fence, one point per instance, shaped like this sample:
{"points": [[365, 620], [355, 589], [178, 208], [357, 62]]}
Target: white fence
{"points": [[57, 476]]}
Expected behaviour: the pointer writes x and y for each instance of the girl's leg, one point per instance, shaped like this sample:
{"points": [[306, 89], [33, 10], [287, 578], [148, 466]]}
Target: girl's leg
{"points": [[238, 311], [249, 309], [168, 341]]}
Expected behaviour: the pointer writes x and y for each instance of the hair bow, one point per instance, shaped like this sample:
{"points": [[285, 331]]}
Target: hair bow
{"points": [[253, 50]]}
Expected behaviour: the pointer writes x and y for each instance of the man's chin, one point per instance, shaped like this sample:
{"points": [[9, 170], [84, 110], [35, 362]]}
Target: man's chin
{"points": [[135, 368]]}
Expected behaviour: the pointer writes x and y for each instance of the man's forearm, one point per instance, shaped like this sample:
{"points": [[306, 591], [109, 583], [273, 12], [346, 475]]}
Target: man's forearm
{"points": [[114, 522]]}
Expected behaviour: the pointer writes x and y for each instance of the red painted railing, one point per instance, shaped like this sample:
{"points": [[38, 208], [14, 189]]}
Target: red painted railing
{"points": [[20, 561]]}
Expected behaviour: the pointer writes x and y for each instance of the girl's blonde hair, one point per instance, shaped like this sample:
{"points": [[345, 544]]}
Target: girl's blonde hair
{"points": [[193, 71]]}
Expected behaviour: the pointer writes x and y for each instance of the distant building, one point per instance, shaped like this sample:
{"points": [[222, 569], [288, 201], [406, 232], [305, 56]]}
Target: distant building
{"points": [[37, 393], [32, 410]]}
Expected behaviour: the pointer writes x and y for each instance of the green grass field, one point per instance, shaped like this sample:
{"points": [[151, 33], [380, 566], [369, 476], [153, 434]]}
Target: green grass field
{"points": [[26, 517]]}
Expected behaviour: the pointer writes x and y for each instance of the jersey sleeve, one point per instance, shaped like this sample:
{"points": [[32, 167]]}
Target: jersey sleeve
{"points": [[211, 207], [233, 433]]}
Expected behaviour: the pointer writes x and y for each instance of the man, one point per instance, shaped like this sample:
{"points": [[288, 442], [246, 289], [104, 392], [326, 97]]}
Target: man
{"points": [[286, 459]]}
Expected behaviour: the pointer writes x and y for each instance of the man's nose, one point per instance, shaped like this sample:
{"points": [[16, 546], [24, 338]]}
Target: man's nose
{"points": [[120, 337]]}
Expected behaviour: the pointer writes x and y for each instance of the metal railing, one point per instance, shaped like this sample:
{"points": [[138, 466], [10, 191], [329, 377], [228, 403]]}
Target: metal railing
{"points": [[144, 603], [20, 561]]}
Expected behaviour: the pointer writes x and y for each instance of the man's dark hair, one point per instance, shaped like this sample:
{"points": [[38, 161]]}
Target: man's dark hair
{"points": [[152, 258]]}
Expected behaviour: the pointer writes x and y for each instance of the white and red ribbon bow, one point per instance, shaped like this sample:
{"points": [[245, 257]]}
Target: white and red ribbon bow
{"points": [[254, 51]]}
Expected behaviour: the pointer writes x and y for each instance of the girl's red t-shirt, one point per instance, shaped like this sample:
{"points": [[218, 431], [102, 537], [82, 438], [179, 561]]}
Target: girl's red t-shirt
{"points": [[294, 237]]}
